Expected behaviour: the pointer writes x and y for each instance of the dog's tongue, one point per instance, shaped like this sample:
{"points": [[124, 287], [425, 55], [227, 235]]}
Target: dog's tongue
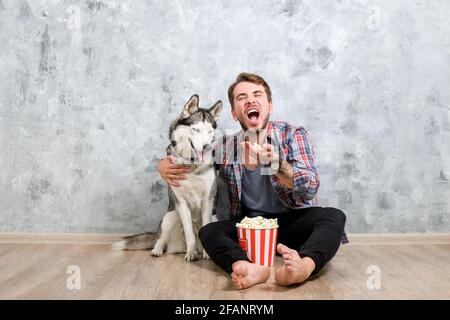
{"points": [[201, 156]]}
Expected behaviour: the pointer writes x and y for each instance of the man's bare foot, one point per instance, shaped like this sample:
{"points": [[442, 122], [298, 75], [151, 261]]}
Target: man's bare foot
{"points": [[295, 269], [246, 274]]}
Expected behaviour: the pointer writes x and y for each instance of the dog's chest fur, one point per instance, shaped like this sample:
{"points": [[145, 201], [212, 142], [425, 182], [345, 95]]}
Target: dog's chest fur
{"points": [[195, 189]]}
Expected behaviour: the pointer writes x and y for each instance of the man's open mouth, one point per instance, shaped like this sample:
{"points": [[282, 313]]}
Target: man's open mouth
{"points": [[252, 114]]}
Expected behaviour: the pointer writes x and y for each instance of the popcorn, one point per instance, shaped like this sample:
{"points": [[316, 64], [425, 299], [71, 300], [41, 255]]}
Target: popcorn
{"points": [[257, 223], [258, 238]]}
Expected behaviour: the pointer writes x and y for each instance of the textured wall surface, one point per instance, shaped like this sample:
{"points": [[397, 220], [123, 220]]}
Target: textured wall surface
{"points": [[88, 90]]}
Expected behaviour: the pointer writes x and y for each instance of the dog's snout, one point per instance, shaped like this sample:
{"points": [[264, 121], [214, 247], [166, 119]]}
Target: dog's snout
{"points": [[205, 146]]}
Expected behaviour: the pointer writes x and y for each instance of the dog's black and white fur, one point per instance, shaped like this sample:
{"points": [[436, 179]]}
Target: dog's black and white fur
{"points": [[190, 204]]}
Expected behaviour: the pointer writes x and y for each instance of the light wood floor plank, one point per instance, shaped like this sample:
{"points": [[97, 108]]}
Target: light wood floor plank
{"points": [[38, 271]]}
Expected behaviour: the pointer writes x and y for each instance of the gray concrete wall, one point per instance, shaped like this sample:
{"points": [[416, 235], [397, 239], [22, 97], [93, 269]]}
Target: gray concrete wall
{"points": [[88, 89]]}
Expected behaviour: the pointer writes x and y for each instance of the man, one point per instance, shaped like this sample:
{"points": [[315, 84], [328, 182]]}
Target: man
{"points": [[269, 170]]}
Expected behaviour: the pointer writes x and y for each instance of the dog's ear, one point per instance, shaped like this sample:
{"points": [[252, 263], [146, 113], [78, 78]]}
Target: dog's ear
{"points": [[190, 107], [215, 109]]}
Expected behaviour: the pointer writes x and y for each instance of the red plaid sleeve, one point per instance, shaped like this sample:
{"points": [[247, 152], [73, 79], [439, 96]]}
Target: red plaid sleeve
{"points": [[301, 158]]}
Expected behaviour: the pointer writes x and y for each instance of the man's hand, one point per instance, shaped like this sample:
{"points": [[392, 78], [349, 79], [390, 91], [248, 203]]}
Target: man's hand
{"points": [[171, 172], [254, 154]]}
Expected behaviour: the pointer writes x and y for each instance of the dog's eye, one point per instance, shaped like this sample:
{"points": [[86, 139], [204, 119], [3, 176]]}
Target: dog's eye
{"points": [[196, 130]]}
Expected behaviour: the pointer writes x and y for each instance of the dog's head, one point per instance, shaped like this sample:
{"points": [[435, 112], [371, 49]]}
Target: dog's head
{"points": [[192, 133]]}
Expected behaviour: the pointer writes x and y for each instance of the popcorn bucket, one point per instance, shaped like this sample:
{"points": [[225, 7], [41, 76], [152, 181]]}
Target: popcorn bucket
{"points": [[260, 244]]}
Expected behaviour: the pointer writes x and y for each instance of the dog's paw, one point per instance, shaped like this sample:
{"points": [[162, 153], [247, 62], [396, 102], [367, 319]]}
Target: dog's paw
{"points": [[205, 255], [156, 252], [190, 256]]}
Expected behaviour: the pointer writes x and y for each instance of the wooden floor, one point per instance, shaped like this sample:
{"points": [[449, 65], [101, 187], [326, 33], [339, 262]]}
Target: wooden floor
{"points": [[38, 270]]}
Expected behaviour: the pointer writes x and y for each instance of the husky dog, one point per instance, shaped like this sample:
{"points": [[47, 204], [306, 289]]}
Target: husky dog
{"points": [[191, 203]]}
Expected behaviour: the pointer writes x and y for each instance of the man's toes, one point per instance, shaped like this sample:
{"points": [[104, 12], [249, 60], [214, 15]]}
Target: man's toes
{"points": [[245, 283], [288, 263], [287, 256], [290, 269], [282, 249], [236, 281], [291, 251]]}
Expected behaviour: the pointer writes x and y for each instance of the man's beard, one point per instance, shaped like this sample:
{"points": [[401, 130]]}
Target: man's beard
{"points": [[245, 128]]}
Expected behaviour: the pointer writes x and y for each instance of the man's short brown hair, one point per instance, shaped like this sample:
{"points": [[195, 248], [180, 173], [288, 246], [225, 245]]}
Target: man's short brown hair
{"points": [[249, 77]]}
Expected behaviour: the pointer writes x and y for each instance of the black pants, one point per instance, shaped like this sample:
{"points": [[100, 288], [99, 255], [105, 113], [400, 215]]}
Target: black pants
{"points": [[314, 232]]}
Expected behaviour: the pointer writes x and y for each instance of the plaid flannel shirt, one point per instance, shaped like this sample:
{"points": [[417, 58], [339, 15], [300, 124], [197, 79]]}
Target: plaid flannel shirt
{"points": [[293, 146]]}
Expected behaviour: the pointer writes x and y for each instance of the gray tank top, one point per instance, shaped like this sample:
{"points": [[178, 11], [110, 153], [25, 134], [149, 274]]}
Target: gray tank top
{"points": [[258, 194]]}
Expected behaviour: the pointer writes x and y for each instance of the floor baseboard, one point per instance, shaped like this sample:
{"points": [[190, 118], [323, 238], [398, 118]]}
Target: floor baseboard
{"points": [[398, 238], [90, 238], [59, 238]]}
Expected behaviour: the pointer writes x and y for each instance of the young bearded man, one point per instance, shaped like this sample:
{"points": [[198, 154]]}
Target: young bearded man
{"points": [[269, 170]]}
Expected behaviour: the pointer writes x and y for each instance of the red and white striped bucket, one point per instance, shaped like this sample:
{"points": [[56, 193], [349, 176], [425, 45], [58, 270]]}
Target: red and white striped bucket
{"points": [[260, 244]]}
